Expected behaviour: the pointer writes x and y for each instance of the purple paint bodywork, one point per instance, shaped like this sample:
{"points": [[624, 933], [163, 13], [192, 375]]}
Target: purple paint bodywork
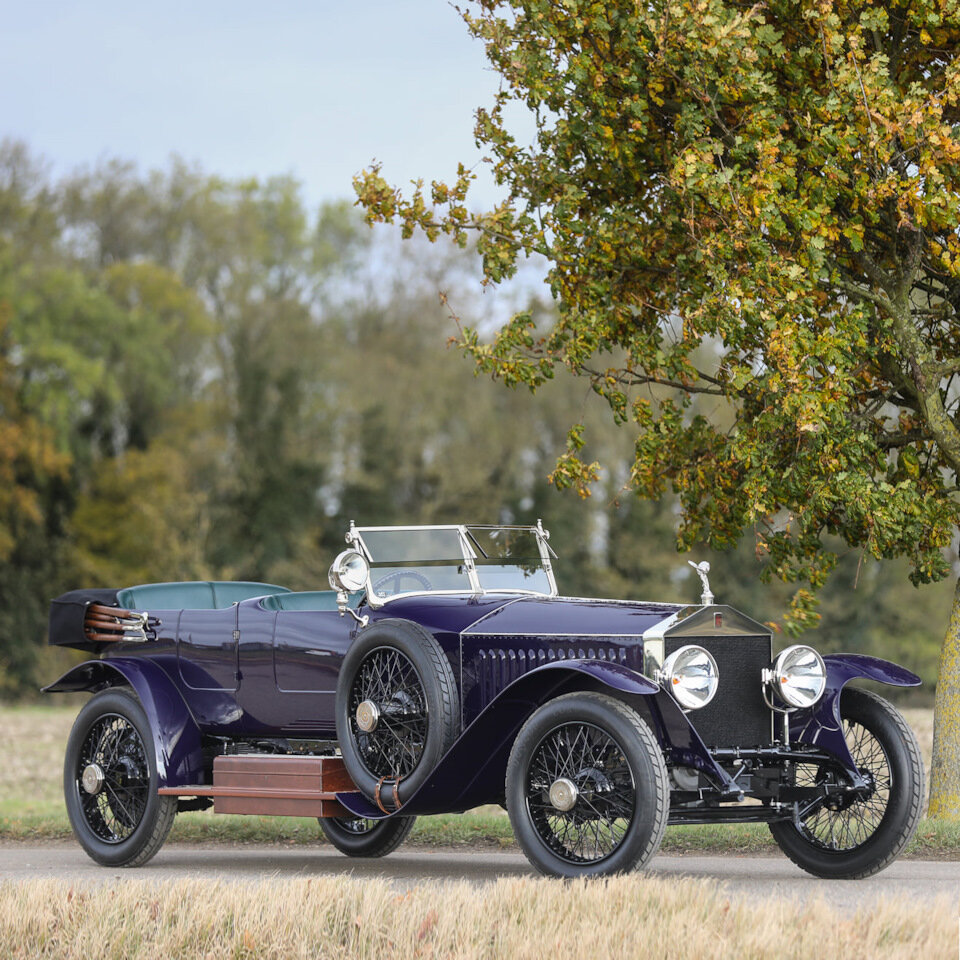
{"points": [[821, 725], [176, 736], [509, 654]]}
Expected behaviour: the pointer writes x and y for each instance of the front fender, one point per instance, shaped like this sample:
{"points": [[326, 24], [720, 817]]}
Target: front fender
{"points": [[822, 725], [473, 770], [176, 737]]}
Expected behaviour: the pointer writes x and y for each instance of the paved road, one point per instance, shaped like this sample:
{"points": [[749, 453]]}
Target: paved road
{"points": [[754, 876]]}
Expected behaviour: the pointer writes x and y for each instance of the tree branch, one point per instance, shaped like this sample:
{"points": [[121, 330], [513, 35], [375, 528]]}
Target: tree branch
{"points": [[855, 290], [892, 441], [639, 379], [944, 368]]}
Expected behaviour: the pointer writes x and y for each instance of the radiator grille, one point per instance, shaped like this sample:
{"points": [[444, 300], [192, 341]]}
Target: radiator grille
{"points": [[737, 716]]}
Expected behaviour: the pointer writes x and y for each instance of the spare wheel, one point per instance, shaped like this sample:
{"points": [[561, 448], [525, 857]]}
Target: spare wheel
{"points": [[398, 710]]}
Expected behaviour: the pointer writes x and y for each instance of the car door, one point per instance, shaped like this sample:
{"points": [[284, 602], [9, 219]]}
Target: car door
{"points": [[207, 658], [308, 648], [289, 663], [207, 649]]}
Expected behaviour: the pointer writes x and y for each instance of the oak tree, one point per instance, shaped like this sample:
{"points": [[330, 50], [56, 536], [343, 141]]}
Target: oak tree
{"points": [[750, 218]]}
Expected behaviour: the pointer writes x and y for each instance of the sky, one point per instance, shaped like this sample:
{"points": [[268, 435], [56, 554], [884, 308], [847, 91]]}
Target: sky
{"points": [[316, 88]]}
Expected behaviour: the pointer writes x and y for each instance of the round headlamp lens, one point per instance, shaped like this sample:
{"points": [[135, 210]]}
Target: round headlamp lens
{"points": [[691, 675], [799, 676], [349, 572]]}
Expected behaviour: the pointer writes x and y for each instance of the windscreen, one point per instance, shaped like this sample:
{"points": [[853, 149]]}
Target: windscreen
{"points": [[435, 559], [415, 561], [502, 543], [406, 546], [508, 558]]}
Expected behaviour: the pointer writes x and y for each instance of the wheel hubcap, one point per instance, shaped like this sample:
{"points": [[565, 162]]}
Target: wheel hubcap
{"points": [[563, 794], [368, 716], [92, 778]]}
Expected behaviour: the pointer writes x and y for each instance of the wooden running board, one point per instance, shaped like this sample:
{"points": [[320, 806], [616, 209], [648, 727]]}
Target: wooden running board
{"points": [[271, 785]]}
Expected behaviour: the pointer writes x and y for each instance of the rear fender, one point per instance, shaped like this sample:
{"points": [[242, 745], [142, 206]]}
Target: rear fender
{"points": [[176, 737], [821, 725], [473, 770]]}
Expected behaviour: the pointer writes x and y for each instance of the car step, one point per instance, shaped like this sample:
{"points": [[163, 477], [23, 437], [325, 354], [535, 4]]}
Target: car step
{"points": [[279, 786]]}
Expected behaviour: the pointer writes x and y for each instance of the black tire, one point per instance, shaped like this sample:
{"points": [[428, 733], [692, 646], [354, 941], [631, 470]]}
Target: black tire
{"points": [[124, 822], [357, 837], [610, 755], [872, 831], [401, 668]]}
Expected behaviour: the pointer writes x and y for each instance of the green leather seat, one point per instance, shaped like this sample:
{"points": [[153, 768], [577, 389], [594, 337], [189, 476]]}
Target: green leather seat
{"points": [[226, 592], [193, 594], [307, 600]]}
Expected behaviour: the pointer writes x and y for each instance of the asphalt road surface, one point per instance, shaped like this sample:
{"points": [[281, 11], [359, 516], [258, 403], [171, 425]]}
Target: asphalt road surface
{"points": [[918, 880]]}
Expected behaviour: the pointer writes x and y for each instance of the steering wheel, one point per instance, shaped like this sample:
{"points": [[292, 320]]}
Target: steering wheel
{"points": [[396, 579]]}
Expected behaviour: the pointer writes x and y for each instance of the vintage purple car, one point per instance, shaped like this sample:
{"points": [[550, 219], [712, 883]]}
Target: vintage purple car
{"points": [[443, 671]]}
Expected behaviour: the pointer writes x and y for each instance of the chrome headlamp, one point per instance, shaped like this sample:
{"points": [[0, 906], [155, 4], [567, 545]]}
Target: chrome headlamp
{"points": [[691, 675], [797, 678], [348, 573]]}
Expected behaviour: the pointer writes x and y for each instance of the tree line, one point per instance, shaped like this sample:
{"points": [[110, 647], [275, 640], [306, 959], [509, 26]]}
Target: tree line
{"points": [[205, 378]]}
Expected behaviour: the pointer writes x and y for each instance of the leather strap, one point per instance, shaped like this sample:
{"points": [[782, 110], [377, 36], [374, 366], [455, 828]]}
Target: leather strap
{"points": [[396, 794]]}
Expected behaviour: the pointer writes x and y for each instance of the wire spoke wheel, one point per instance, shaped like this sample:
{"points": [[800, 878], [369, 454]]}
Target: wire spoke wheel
{"points": [[388, 679], [110, 781], [851, 834], [397, 710], [845, 826], [358, 826], [587, 789], [361, 837], [603, 795], [113, 759]]}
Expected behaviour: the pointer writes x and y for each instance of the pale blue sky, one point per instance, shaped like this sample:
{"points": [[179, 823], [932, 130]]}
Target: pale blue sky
{"points": [[317, 89]]}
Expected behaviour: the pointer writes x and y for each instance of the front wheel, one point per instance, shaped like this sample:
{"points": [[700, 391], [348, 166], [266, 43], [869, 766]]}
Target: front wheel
{"points": [[587, 788], [357, 837], [855, 839], [110, 783]]}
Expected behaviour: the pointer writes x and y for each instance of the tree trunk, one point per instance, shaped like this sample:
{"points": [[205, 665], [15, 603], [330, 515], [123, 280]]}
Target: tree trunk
{"points": [[945, 779]]}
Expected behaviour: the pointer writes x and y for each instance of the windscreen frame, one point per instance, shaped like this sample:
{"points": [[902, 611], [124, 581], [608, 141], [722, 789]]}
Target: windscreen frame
{"points": [[469, 559]]}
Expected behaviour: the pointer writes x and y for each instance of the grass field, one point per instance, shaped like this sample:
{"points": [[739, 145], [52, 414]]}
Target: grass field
{"points": [[517, 918], [31, 804]]}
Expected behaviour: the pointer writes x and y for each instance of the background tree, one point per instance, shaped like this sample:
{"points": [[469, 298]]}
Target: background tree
{"points": [[757, 206]]}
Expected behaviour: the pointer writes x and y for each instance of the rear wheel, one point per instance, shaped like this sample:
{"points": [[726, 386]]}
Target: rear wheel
{"points": [[860, 837], [110, 783], [587, 788], [357, 837]]}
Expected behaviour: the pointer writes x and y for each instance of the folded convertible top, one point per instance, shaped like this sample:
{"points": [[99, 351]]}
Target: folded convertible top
{"points": [[67, 613]]}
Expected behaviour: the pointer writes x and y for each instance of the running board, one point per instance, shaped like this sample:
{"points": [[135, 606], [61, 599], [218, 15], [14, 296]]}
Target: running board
{"points": [[272, 785]]}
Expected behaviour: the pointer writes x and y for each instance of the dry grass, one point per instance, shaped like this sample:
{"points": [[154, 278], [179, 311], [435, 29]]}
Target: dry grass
{"points": [[516, 918], [921, 721], [33, 742]]}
